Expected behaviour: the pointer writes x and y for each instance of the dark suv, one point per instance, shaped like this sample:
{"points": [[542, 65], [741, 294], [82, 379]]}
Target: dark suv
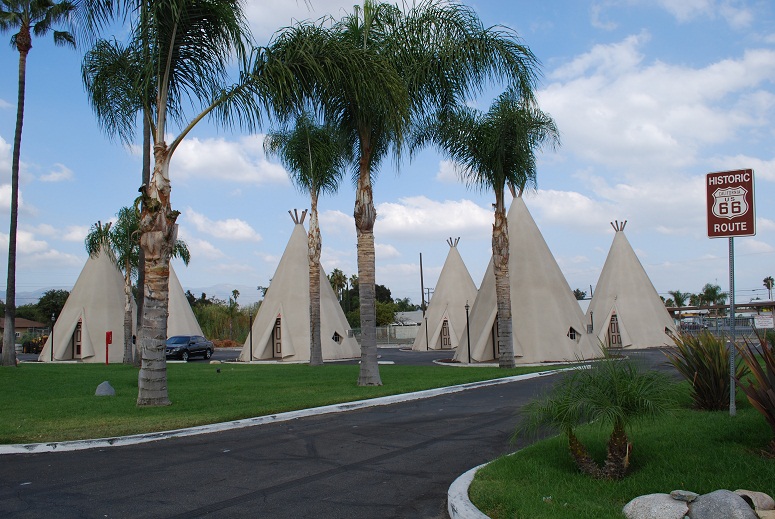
{"points": [[185, 346]]}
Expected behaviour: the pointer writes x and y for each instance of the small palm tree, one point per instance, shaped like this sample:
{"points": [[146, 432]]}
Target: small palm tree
{"points": [[122, 241], [494, 150], [768, 284], [316, 157], [38, 17], [613, 393], [712, 295], [679, 300]]}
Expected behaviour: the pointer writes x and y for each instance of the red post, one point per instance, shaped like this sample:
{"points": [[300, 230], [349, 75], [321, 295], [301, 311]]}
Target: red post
{"points": [[108, 341]]}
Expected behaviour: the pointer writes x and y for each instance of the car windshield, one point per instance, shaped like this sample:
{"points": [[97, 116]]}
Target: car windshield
{"points": [[178, 339]]}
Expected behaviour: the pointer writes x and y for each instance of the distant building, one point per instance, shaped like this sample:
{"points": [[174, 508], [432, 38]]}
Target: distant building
{"points": [[24, 326]]}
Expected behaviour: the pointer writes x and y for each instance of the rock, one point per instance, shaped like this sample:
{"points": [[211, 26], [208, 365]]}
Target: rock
{"points": [[655, 506], [761, 501], [105, 389], [766, 514], [721, 504], [684, 495]]}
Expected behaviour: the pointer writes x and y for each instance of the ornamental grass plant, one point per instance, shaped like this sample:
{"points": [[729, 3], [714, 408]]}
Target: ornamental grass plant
{"points": [[759, 387], [704, 361]]}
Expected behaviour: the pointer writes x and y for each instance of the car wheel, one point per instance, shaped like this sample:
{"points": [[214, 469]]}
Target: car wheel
{"points": [[184, 355], [208, 353]]}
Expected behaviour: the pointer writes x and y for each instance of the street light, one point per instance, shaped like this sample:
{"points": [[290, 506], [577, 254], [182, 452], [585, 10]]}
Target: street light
{"points": [[468, 333], [250, 332], [53, 319]]}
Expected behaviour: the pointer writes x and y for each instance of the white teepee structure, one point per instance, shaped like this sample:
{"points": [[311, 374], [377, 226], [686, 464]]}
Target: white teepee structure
{"points": [[281, 328], [95, 306], [547, 321], [626, 311], [445, 317], [181, 320]]}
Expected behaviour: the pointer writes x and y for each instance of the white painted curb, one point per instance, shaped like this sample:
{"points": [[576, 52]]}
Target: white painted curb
{"points": [[459, 505], [118, 441]]}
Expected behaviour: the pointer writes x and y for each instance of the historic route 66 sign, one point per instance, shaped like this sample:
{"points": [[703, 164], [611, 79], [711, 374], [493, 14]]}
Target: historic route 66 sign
{"points": [[730, 198], [730, 203]]}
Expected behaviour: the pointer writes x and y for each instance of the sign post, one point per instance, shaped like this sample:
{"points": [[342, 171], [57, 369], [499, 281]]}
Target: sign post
{"points": [[731, 213], [108, 342]]}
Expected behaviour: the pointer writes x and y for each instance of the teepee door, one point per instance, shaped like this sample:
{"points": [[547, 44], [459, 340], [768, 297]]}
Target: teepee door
{"points": [[446, 342], [614, 334], [277, 349], [76, 349]]}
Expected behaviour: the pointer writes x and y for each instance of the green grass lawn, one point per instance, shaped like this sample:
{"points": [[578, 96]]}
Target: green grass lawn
{"points": [[691, 450], [48, 402]]}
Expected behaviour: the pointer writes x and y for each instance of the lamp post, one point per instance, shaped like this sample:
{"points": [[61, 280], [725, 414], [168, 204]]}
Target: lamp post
{"points": [[250, 333], [53, 320], [468, 333]]}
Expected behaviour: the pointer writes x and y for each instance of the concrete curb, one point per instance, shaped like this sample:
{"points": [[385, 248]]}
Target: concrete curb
{"points": [[119, 441], [459, 506]]}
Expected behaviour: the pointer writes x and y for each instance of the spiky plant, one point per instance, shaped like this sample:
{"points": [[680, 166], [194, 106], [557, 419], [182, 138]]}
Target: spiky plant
{"points": [[759, 388]]}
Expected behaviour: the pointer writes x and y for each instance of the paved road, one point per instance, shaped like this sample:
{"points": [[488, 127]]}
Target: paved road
{"points": [[394, 461]]}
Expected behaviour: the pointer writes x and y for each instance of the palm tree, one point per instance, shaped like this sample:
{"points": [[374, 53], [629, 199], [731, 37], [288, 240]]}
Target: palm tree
{"points": [[38, 17], [338, 281], [679, 299], [494, 150], [194, 41], [316, 157], [400, 65], [122, 239], [769, 282], [611, 392], [712, 295]]}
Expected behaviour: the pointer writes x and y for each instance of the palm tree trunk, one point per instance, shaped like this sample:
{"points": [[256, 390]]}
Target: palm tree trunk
{"points": [[146, 178], [23, 44], [581, 456], [618, 455], [365, 216], [128, 346], [314, 245], [158, 234], [500, 257]]}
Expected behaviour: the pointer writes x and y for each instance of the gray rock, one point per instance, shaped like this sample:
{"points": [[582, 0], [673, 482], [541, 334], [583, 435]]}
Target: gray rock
{"points": [[684, 495], [105, 389], [721, 504], [655, 506], [760, 500]]}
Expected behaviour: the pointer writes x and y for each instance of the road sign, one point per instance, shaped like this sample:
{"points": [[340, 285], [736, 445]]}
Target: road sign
{"points": [[730, 198]]}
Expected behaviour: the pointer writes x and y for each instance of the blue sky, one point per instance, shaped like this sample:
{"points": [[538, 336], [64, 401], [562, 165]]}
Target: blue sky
{"points": [[649, 96]]}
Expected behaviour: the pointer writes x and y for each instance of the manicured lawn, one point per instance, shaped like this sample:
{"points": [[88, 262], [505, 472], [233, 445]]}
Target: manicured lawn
{"points": [[45, 402], [691, 450]]}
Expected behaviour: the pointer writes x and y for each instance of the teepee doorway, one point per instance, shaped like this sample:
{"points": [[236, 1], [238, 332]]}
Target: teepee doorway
{"points": [[75, 342], [446, 340], [277, 339], [614, 336]]}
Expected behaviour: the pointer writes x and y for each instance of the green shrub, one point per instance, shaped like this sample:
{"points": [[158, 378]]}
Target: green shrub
{"points": [[760, 387], [704, 361]]}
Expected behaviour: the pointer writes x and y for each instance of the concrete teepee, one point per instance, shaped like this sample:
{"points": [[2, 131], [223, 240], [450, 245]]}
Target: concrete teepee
{"points": [[548, 324], [445, 317], [281, 328], [626, 311], [181, 320], [95, 306]]}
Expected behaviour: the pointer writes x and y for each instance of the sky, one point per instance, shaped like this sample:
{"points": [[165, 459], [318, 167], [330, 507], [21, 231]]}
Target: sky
{"points": [[649, 96]]}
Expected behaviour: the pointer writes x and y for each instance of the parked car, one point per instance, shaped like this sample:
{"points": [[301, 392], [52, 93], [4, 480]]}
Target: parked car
{"points": [[185, 346]]}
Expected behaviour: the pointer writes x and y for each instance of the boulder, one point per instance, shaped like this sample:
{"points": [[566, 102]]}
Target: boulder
{"points": [[766, 514], [720, 504], [105, 389], [760, 500], [655, 506], [684, 495]]}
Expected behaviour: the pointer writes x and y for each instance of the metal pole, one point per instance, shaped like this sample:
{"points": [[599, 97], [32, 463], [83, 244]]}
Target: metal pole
{"points": [[53, 320], [468, 333], [732, 404], [422, 289], [250, 333]]}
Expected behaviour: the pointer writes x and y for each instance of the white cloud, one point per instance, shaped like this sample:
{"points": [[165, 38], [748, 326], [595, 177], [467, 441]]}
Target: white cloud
{"points": [[26, 243], [268, 16], [676, 116], [385, 251], [419, 218], [336, 222], [50, 259], [753, 246], [202, 249], [240, 161], [5, 201], [4, 105], [448, 173], [58, 173], [75, 233], [229, 229]]}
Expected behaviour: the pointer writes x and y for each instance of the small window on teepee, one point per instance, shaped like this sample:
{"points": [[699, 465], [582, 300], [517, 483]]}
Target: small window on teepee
{"points": [[573, 334], [337, 338], [667, 331]]}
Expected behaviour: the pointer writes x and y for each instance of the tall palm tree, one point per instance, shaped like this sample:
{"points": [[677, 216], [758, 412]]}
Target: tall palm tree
{"points": [[28, 17], [193, 43], [433, 54], [769, 282], [493, 150], [122, 239], [316, 157]]}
